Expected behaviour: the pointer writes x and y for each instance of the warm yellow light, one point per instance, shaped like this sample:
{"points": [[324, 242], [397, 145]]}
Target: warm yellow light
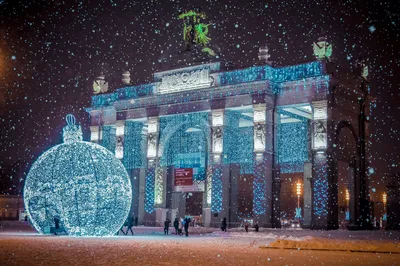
{"points": [[384, 198], [347, 195], [298, 189]]}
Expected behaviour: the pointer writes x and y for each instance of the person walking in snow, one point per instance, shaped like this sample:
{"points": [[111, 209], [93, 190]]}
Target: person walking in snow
{"points": [[136, 221], [176, 225], [130, 225], [223, 225], [256, 227], [166, 226], [186, 225]]}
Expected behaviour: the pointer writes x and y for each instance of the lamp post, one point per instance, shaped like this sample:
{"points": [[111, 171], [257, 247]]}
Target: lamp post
{"points": [[347, 204], [298, 193], [384, 200]]}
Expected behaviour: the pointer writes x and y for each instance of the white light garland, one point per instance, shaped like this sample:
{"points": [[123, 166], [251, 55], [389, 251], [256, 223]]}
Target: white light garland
{"points": [[80, 183]]}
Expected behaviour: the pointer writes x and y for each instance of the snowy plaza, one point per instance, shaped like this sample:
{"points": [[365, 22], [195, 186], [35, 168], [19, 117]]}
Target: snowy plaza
{"points": [[21, 245]]}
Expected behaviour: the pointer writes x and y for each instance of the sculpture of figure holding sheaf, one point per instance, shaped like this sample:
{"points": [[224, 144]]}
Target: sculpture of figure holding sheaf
{"points": [[217, 139], [119, 149], [259, 140], [320, 134], [151, 142]]}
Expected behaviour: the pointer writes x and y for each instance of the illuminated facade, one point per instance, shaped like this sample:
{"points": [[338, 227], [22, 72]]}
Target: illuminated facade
{"points": [[245, 138]]}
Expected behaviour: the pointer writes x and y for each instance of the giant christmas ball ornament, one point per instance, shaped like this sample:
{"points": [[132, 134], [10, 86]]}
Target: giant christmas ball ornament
{"points": [[79, 183]]}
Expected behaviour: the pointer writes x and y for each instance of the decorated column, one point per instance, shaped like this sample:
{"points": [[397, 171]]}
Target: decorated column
{"points": [[320, 182], [154, 190], [262, 167]]}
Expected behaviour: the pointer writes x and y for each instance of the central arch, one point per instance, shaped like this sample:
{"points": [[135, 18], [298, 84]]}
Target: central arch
{"points": [[346, 153], [177, 149]]}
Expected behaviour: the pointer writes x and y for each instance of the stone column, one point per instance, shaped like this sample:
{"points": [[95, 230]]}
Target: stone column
{"points": [[218, 208], [262, 186], [321, 167], [152, 161], [155, 175], [276, 180], [95, 134]]}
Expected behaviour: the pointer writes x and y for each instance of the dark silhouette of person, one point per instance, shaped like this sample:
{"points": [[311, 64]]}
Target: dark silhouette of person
{"points": [[223, 225], [136, 221], [26, 217], [56, 224], [166, 226], [130, 225], [256, 227], [246, 227], [187, 223], [176, 225]]}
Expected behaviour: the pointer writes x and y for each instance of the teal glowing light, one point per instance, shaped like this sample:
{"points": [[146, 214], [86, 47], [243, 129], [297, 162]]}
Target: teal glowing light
{"points": [[292, 146], [320, 187], [259, 187], [149, 190], [109, 139], [134, 145], [80, 183], [216, 196], [238, 140]]}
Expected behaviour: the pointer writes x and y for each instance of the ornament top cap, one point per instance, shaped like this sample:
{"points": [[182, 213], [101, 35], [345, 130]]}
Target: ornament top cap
{"points": [[71, 132], [70, 118]]}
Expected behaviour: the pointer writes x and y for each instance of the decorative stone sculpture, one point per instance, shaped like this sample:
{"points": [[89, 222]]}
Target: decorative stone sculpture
{"points": [[259, 138], [322, 49], [217, 140], [100, 85], [126, 78], [263, 55]]}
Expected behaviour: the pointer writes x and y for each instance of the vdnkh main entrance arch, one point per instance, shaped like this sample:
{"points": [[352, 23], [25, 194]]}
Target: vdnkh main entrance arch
{"points": [[261, 143]]}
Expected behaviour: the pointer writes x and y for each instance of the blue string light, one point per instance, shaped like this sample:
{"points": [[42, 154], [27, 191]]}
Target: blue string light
{"points": [[134, 145], [149, 190], [109, 140], [292, 146], [82, 185], [216, 194], [238, 141], [259, 188], [320, 187]]}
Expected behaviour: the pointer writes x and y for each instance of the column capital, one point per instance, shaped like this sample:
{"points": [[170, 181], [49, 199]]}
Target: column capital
{"points": [[153, 124], [217, 117]]}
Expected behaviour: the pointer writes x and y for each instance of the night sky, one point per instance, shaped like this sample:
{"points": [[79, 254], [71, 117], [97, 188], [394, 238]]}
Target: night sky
{"points": [[50, 52]]}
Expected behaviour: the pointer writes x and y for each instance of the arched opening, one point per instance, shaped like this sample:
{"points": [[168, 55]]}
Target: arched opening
{"points": [[184, 157], [345, 152]]}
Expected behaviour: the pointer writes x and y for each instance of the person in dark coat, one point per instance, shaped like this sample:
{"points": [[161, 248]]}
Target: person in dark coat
{"points": [[246, 227], [130, 224], [256, 227], [176, 225], [223, 225], [56, 224], [136, 221], [187, 223], [166, 226]]}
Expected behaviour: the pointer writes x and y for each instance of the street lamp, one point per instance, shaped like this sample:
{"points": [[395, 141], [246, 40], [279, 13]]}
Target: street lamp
{"points": [[384, 199], [298, 193], [347, 204]]}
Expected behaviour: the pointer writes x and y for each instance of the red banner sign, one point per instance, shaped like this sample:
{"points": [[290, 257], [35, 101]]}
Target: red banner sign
{"points": [[184, 177]]}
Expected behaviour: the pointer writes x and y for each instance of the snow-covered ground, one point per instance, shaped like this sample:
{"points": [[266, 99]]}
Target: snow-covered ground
{"points": [[20, 245]]}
